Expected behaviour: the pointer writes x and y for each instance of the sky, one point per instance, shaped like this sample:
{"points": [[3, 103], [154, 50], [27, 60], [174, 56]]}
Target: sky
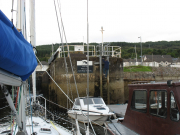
{"points": [[122, 20]]}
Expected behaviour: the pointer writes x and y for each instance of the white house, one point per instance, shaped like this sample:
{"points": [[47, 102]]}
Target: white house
{"points": [[154, 61]]}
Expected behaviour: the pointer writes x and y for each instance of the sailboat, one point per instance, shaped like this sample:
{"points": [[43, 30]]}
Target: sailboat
{"points": [[18, 61]]}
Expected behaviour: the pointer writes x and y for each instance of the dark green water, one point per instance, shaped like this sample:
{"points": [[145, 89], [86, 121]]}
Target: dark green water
{"points": [[60, 117]]}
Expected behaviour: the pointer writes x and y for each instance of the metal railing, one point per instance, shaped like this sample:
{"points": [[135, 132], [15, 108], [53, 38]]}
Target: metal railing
{"points": [[94, 51]]}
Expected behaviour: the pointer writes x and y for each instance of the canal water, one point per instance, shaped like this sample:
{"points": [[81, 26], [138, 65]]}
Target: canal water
{"points": [[60, 117]]}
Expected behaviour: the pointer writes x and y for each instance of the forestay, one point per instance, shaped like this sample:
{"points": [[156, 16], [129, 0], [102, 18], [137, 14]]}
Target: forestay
{"points": [[16, 54]]}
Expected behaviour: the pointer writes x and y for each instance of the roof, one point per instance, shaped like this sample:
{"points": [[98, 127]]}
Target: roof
{"points": [[131, 60], [166, 56], [158, 58]]}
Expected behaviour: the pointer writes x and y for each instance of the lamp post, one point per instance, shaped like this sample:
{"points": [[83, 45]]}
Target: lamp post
{"points": [[102, 51], [141, 50]]}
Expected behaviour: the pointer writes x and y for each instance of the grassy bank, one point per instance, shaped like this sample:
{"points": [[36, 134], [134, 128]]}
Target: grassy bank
{"points": [[138, 69]]}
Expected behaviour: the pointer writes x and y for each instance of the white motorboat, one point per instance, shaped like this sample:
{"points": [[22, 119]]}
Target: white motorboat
{"points": [[98, 111]]}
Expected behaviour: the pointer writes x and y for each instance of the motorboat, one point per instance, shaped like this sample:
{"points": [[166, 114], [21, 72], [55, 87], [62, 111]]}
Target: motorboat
{"points": [[98, 110], [153, 108]]}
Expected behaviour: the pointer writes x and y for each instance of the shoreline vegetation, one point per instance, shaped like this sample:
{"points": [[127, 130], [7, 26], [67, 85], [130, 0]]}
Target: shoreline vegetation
{"points": [[137, 69], [128, 49]]}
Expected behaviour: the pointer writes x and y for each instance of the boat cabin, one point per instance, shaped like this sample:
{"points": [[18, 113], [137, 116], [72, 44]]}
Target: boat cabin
{"points": [[94, 107], [95, 104], [153, 108]]}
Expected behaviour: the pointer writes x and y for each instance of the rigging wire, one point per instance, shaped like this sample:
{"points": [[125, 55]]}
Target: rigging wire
{"points": [[66, 69], [63, 46], [12, 11], [30, 105], [64, 108], [12, 99], [67, 76], [15, 107], [54, 81], [68, 55], [53, 103], [61, 37], [4, 107], [87, 66], [5, 117], [68, 51], [62, 118]]}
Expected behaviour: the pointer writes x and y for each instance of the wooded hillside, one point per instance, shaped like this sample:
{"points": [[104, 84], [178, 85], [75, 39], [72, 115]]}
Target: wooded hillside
{"points": [[128, 49]]}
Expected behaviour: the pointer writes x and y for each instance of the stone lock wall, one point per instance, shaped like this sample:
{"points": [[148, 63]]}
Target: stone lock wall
{"points": [[66, 82]]}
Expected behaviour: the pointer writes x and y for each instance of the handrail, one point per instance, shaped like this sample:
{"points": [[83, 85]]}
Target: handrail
{"points": [[92, 52]]}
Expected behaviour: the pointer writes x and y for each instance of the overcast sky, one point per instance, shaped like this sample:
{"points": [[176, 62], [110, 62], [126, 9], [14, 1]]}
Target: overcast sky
{"points": [[122, 20]]}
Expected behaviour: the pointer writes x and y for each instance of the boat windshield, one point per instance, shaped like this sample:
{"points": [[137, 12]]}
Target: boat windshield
{"points": [[86, 101], [98, 101], [77, 102]]}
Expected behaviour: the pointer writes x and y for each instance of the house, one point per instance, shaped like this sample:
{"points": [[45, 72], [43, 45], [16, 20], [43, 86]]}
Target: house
{"points": [[131, 62], [157, 60], [176, 62], [153, 61]]}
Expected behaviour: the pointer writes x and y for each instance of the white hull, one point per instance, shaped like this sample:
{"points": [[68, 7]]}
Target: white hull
{"points": [[98, 111], [54, 128], [97, 119]]}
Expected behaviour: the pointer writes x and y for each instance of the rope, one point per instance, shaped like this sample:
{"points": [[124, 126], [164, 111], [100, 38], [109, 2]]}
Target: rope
{"points": [[4, 107], [30, 106], [67, 47], [68, 53], [15, 129], [54, 81], [19, 99], [53, 103], [66, 108], [66, 69], [5, 117], [15, 107], [12, 99]]}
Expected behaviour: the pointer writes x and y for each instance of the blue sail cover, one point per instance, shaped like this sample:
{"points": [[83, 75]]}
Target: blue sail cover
{"points": [[16, 54]]}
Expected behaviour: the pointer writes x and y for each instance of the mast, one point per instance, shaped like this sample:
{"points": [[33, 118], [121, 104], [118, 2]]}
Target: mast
{"points": [[100, 63], [21, 25], [33, 41], [87, 132]]}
